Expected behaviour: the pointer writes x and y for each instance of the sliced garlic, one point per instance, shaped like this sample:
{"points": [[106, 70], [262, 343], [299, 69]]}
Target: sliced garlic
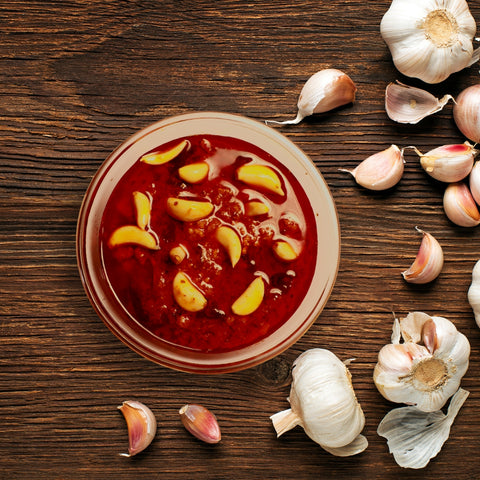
{"points": [[260, 176], [188, 210], [284, 251], [323, 91], [159, 158], [449, 163], [425, 370], [429, 39], [178, 254], [428, 263], [474, 181], [465, 112], [415, 437], [250, 299], [381, 170], [141, 424], [131, 234], [474, 292], [143, 209], [187, 295], [255, 208], [460, 206], [194, 172], [230, 240], [201, 423], [405, 104]]}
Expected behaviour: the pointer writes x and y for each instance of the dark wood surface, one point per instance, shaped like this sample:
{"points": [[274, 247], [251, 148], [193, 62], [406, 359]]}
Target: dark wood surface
{"points": [[77, 79]]}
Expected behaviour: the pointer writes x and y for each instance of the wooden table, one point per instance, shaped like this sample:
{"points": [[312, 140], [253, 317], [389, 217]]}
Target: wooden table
{"points": [[78, 78]]}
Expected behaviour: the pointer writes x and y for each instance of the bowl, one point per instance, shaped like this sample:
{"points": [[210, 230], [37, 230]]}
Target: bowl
{"points": [[324, 256]]}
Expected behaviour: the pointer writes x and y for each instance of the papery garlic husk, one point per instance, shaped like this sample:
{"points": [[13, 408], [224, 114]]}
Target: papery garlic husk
{"points": [[414, 437], [425, 370], [459, 205], [141, 424], [405, 104], [324, 91], [449, 163], [474, 292], [324, 404], [381, 170], [474, 182], [429, 39], [466, 112], [428, 263]]}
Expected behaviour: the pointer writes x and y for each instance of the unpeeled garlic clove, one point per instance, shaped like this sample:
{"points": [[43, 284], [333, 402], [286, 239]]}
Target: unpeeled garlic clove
{"points": [[325, 90], [465, 112], [460, 206], [380, 171], [474, 180], [405, 104], [201, 423], [449, 163], [473, 294], [141, 424], [428, 263]]}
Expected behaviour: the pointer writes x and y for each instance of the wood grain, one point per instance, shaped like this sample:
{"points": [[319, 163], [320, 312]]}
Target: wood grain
{"points": [[78, 78]]}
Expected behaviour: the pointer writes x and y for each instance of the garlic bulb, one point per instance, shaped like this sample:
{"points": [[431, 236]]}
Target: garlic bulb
{"points": [[323, 403], [460, 206], [429, 39], [449, 163], [405, 104], [414, 437], [474, 292], [428, 263], [380, 171], [323, 91], [466, 112], [475, 182], [425, 370]]}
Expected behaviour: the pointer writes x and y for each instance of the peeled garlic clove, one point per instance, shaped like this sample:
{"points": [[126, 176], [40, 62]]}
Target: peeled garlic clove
{"points": [[159, 158], [255, 207], [230, 240], [178, 254], [284, 251], [449, 163], [260, 176], [460, 206], [474, 181], [405, 104], [194, 172], [201, 423], [142, 208], [188, 210], [131, 234], [250, 299], [323, 91], [141, 424], [466, 112], [474, 292], [380, 171], [428, 263], [187, 295]]}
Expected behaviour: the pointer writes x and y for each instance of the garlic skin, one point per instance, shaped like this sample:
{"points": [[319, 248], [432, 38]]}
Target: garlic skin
{"points": [[405, 104], [201, 423], [425, 370], [460, 206], [381, 170], [474, 292], [324, 91], [324, 404], [474, 181], [428, 263], [141, 424], [429, 39], [414, 437], [466, 112], [449, 163]]}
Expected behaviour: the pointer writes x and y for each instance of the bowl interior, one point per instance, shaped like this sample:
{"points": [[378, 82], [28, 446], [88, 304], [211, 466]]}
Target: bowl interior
{"points": [[109, 308]]}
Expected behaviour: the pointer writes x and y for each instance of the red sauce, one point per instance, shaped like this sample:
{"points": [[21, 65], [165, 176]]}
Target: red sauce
{"points": [[142, 278]]}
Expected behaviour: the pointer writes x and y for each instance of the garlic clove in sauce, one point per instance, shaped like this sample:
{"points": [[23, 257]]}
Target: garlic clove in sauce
{"points": [[324, 91], [405, 104], [425, 370]]}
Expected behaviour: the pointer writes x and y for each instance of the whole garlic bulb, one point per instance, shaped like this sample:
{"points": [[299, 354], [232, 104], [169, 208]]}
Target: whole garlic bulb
{"points": [[323, 402], [429, 39], [425, 370]]}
